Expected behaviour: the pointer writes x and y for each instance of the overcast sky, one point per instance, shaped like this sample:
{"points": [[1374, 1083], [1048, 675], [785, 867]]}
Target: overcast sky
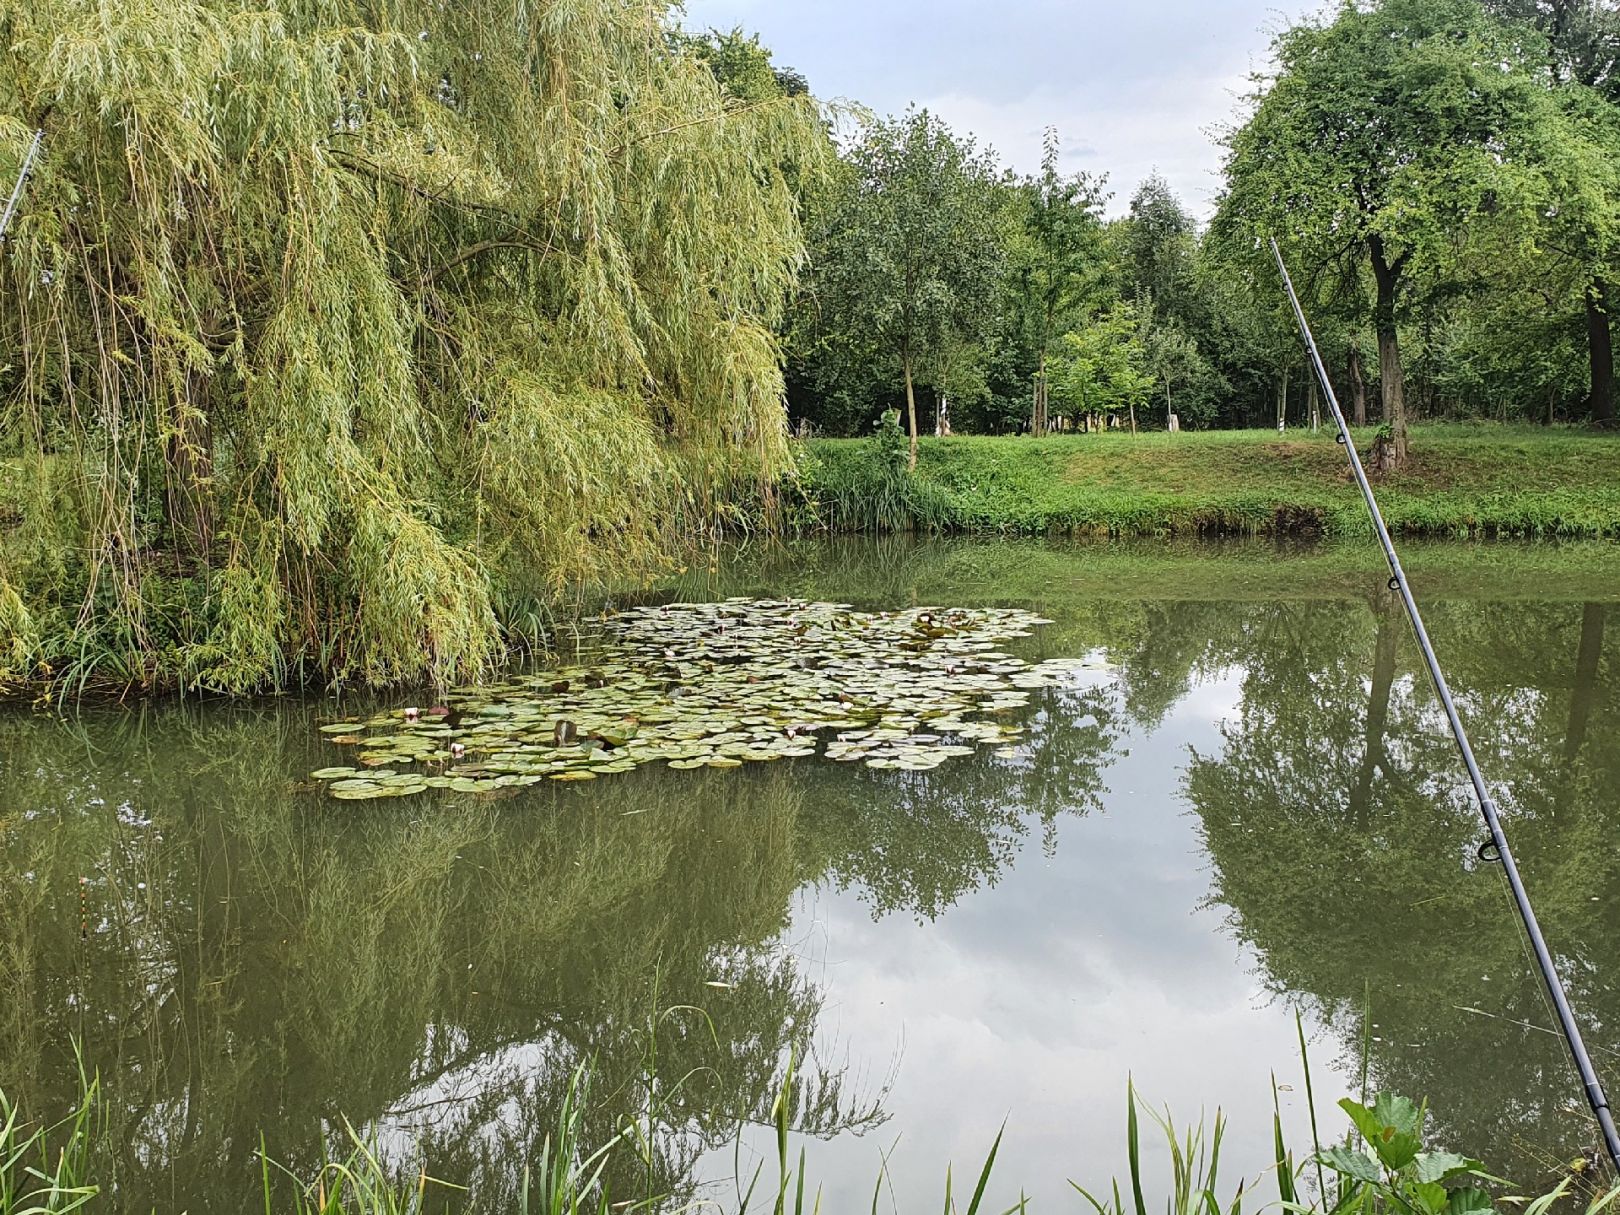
{"points": [[1131, 87]]}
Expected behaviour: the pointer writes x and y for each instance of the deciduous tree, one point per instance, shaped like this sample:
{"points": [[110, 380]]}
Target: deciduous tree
{"points": [[1060, 263], [910, 253], [1384, 136], [321, 321], [1103, 368]]}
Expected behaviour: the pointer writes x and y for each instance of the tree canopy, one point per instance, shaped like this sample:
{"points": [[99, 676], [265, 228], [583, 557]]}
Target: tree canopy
{"points": [[908, 254], [1387, 135]]}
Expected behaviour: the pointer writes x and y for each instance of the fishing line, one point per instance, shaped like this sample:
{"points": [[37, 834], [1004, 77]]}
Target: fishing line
{"points": [[1496, 847], [1530, 1025], [22, 178]]}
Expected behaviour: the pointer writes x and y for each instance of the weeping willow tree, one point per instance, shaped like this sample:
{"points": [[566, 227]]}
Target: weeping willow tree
{"points": [[320, 317]]}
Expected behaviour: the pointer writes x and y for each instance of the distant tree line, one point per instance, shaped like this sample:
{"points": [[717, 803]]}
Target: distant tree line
{"points": [[1442, 176]]}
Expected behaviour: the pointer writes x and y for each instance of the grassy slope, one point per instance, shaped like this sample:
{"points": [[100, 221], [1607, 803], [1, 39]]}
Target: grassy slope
{"points": [[1487, 480]]}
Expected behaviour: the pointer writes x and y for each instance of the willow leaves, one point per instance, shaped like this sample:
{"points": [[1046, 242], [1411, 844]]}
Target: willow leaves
{"points": [[323, 318]]}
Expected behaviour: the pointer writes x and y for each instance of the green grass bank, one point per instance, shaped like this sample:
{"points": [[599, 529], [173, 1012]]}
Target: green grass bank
{"points": [[1486, 480]]}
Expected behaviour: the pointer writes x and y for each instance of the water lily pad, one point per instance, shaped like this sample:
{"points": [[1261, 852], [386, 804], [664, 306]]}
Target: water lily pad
{"points": [[719, 685], [333, 773]]}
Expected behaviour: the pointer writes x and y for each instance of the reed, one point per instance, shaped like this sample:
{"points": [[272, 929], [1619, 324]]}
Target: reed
{"points": [[1381, 1168], [48, 1168], [868, 487]]}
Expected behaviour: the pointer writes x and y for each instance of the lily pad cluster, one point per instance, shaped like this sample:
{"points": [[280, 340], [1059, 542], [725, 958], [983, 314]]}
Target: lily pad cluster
{"points": [[717, 685]]}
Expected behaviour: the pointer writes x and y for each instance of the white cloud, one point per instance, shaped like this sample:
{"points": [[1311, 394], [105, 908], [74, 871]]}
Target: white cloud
{"points": [[1130, 88], [1140, 132]]}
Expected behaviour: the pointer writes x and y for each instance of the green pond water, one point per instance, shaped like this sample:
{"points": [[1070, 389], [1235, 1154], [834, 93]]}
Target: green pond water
{"points": [[1234, 801]]}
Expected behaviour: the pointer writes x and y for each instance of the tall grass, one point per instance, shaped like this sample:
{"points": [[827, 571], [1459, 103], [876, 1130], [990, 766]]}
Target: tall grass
{"points": [[46, 1169], [566, 1179], [51, 1169], [868, 487], [1382, 1167], [1194, 1169]]}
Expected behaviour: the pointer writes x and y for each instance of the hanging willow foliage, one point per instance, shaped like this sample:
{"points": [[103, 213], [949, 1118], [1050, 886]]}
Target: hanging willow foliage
{"points": [[320, 317]]}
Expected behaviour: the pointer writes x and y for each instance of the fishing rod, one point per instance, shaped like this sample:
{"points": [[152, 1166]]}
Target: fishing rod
{"points": [[16, 192], [1496, 848]]}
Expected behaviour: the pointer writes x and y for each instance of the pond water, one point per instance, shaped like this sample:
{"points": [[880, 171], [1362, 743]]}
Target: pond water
{"points": [[1247, 808]]}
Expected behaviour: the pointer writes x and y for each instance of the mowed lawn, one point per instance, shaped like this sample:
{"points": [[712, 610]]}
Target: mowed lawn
{"points": [[1461, 480]]}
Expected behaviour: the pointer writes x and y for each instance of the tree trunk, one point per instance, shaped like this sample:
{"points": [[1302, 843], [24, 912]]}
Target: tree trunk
{"points": [[1387, 276], [1313, 403], [1133, 417], [1282, 401], [1358, 390], [1586, 676], [911, 412], [1037, 417], [1600, 351], [1383, 680]]}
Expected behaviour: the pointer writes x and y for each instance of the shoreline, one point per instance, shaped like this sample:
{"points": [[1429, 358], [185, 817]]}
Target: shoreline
{"points": [[1463, 482], [979, 569]]}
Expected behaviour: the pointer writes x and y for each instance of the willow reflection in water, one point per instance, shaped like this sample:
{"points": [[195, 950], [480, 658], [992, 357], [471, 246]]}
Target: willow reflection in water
{"points": [[237, 955]]}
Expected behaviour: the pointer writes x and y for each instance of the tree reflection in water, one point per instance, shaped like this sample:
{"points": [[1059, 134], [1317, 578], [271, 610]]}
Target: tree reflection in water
{"points": [[243, 955], [1344, 843]]}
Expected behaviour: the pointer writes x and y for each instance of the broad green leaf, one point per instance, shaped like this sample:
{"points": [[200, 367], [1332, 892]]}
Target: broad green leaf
{"points": [[1390, 1128], [1470, 1201], [1352, 1163], [1430, 1196], [1363, 1118], [1443, 1166], [1398, 1113]]}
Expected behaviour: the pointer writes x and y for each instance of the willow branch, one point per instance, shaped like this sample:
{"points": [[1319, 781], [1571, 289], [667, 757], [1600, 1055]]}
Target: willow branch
{"points": [[484, 246]]}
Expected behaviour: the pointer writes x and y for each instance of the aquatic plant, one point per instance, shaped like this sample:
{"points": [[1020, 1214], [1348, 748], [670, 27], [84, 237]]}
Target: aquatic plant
{"points": [[565, 1180], [1383, 1167], [717, 685]]}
